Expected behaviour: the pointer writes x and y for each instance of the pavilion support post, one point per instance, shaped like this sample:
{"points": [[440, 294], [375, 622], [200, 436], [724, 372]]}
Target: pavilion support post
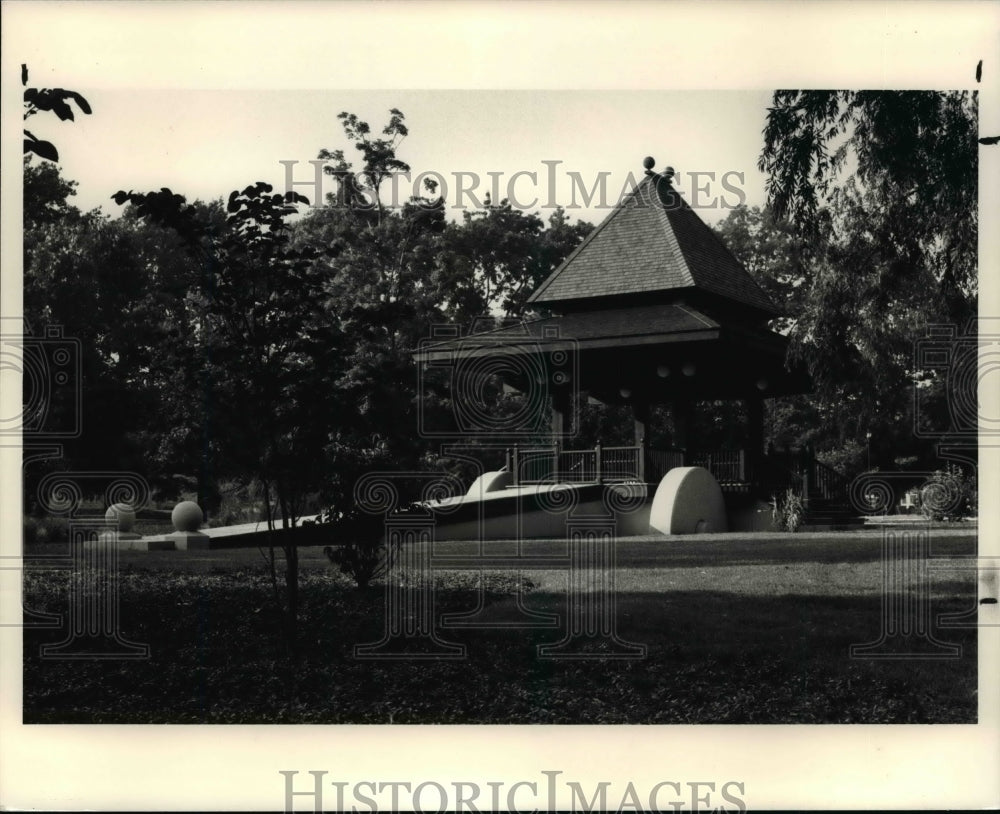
{"points": [[561, 405], [560, 414], [682, 411], [640, 421], [755, 434]]}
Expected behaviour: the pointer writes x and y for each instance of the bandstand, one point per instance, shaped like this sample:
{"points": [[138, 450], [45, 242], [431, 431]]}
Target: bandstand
{"points": [[650, 309]]}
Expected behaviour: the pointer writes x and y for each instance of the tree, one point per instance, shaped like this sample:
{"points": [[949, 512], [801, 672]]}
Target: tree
{"points": [[115, 288], [262, 357], [774, 254], [882, 188], [46, 195], [914, 156], [360, 192], [498, 255], [380, 289], [55, 100]]}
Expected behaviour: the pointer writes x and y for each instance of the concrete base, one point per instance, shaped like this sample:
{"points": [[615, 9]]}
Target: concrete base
{"points": [[132, 542], [120, 537], [177, 541], [190, 540], [540, 511], [746, 513]]}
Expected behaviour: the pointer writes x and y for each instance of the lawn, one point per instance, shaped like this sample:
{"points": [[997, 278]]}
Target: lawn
{"points": [[738, 628]]}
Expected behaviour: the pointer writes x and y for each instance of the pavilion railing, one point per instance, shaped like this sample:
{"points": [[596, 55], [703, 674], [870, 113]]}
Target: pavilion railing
{"points": [[621, 463], [601, 464], [768, 476], [661, 461], [578, 466], [827, 482], [726, 466], [804, 474], [534, 464]]}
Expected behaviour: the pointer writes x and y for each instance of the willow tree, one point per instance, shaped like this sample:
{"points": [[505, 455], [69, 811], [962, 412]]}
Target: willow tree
{"points": [[882, 187]]}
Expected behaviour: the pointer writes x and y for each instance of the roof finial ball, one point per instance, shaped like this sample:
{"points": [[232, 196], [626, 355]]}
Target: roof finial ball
{"points": [[649, 162]]}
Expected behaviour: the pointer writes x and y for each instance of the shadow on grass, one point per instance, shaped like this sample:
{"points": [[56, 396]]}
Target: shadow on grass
{"points": [[712, 657]]}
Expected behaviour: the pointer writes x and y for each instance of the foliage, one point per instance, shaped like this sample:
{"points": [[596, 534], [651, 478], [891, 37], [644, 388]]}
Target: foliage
{"points": [[788, 511], [262, 356], [949, 494], [847, 459], [117, 290], [45, 529], [910, 208], [240, 502], [915, 159], [880, 189], [362, 551], [46, 195], [499, 255], [773, 253], [395, 273], [360, 192], [54, 100], [713, 656]]}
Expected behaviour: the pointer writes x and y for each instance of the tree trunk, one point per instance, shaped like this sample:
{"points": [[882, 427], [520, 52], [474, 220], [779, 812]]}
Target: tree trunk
{"points": [[291, 551]]}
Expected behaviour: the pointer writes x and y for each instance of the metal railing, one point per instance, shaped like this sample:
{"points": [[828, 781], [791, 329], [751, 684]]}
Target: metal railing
{"points": [[598, 465], [578, 466], [827, 482], [726, 466], [621, 463], [767, 476], [807, 476], [534, 464], [661, 461]]}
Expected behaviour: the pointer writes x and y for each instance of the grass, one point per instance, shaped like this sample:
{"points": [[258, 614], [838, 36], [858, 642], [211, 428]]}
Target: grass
{"points": [[737, 629]]}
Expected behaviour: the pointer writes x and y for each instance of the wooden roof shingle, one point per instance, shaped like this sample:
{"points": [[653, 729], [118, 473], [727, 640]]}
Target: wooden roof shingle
{"points": [[652, 242]]}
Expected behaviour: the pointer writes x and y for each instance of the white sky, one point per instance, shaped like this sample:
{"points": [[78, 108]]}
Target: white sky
{"points": [[204, 143], [207, 97]]}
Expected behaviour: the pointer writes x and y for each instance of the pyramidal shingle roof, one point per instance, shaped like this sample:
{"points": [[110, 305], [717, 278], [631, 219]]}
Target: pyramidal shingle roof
{"points": [[652, 242]]}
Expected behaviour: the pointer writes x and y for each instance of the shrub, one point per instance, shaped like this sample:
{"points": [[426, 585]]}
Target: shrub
{"points": [[846, 459], [949, 494], [45, 529], [361, 551], [238, 503], [788, 511]]}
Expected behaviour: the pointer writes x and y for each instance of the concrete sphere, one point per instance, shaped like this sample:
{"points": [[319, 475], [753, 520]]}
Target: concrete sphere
{"points": [[122, 514], [187, 516]]}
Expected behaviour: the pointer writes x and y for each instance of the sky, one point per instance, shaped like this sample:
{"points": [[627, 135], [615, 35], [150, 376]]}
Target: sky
{"points": [[573, 147]]}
